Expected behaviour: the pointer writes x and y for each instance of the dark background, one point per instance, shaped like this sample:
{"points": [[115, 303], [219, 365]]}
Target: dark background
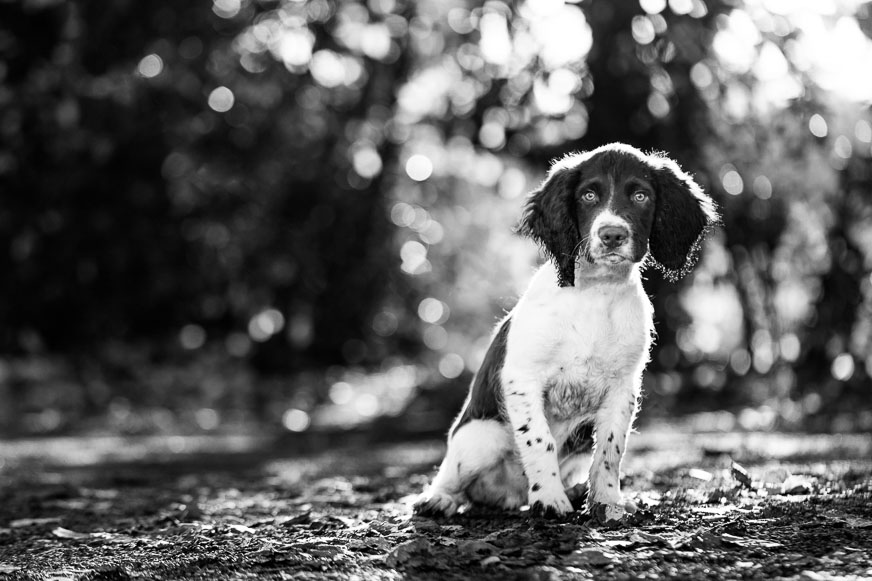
{"points": [[244, 215]]}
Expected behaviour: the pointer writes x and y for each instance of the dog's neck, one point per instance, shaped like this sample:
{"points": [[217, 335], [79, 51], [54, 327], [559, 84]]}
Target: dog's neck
{"points": [[589, 275]]}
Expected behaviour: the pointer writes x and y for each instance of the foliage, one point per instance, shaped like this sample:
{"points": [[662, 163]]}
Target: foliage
{"points": [[275, 186]]}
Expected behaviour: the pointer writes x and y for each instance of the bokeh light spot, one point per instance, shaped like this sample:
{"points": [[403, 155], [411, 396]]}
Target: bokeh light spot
{"points": [[435, 337], [385, 323], [296, 420], [733, 183], [328, 68], [150, 66], [221, 99], [653, 6], [842, 147], [419, 167], [643, 30], [414, 257], [192, 337], [432, 310], [658, 104], [843, 367], [762, 187], [789, 346], [402, 214], [817, 125], [341, 393], [295, 47], [375, 41], [265, 324], [367, 405], [207, 418], [863, 131], [681, 6], [226, 8], [451, 365], [492, 135], [701, 75], [367, 162]]}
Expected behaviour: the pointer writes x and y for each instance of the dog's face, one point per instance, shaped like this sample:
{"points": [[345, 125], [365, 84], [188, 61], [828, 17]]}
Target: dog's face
{"points": [[611, 206]]}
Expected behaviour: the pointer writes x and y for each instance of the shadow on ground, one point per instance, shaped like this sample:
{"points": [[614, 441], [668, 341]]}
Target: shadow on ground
{"points": [[725, 505]]}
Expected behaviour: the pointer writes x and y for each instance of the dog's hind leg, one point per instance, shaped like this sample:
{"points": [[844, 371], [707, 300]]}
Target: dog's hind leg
{"points": [[479, 452]]}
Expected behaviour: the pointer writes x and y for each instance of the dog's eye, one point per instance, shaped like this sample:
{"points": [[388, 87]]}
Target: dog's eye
{"points": [[589, 196], [640, 196]]}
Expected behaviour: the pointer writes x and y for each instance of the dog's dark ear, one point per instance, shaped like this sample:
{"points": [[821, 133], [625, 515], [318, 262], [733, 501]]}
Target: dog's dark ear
{"points": [[683, 215], [549, 220]]}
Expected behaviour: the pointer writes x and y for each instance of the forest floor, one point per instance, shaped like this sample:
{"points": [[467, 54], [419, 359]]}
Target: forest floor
{"points": [[713, 506]]}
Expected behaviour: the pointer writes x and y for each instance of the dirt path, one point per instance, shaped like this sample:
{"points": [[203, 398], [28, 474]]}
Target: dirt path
{"points": [[91, 509]]}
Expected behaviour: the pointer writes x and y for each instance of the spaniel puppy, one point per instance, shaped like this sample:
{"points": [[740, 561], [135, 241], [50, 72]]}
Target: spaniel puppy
{"points": [[568, 360]]}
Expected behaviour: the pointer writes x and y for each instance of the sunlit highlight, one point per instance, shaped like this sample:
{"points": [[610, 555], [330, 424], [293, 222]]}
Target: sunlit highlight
{"points": [[451, 365], [226, 8], [843, 367], [419, 167], [221, 99], [265, 324], [296, 420], [817, 125], [150, 66]]}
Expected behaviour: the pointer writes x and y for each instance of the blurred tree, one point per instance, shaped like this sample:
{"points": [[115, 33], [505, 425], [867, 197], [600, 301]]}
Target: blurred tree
{"points": [[180, 178], [288, 185]]}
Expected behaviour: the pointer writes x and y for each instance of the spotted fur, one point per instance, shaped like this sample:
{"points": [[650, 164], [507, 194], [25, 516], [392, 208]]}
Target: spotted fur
{"points": [[564, 364]]}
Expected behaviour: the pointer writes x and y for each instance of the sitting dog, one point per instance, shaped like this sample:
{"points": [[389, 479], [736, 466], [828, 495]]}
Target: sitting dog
{"points": [[567, 361]]}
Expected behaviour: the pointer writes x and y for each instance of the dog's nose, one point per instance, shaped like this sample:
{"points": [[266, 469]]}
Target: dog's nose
{"points": [[613, 236]]}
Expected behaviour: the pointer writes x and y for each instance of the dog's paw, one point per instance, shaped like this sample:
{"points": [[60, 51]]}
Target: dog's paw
{"points": [[435, 503], [550, 504]]}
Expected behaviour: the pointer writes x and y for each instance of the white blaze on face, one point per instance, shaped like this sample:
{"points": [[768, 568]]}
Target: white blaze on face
{"points": [[605, 219]]}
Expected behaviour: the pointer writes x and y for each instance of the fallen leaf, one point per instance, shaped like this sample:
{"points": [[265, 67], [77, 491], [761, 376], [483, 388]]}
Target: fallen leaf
{"points": [[741, 474], [488, 561], [499, 537], [447, 541], [607, 513], [30, 522], [476, 547], [8, 568], [796, 484], [775, 475], [300, 519], [724, 495], [854, 522], [748, 542], [703, 475], [591, 556], [402, 554], [643, 538], [383, 527], [241, 528], [63, 533]]}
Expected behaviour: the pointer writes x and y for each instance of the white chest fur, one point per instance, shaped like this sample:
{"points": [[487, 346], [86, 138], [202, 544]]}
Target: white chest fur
{"points": [[580, 342]]}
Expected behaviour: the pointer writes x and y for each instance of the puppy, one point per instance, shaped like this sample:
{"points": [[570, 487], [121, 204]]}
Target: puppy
{"points": [[566, 363]]}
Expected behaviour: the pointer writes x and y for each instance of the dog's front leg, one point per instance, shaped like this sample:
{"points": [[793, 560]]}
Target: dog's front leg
{"points": [[535, 444], [613, 422]]}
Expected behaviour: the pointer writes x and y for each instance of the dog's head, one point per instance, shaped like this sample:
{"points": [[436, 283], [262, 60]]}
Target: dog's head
{"points": [[614, 206]]}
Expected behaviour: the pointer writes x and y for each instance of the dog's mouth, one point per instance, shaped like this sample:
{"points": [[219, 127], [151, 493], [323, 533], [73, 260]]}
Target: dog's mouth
{"points": [[611, 258]]}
